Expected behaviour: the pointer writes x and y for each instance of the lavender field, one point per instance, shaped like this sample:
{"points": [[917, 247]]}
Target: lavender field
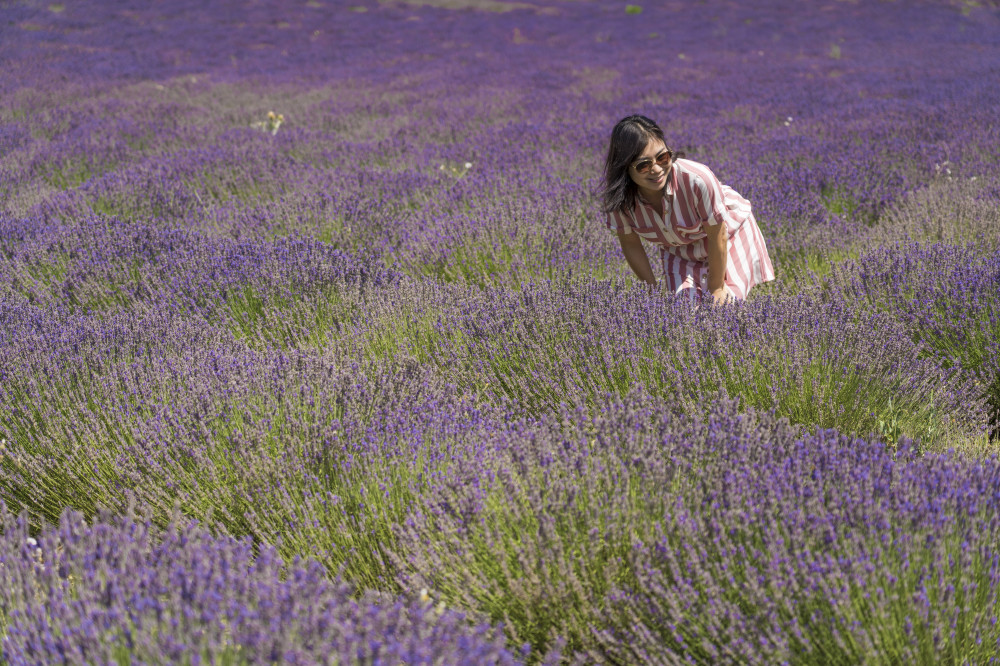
{"points": [[315, 349]]}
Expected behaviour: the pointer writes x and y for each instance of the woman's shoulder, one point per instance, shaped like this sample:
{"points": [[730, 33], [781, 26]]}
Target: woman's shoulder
{"points": [[690, 166], [694, 172]]}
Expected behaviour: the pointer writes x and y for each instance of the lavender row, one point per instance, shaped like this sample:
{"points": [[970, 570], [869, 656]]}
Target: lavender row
{"points": [[119, 590], [642, 535], [945, 296], [93, 264], [811, 358]]}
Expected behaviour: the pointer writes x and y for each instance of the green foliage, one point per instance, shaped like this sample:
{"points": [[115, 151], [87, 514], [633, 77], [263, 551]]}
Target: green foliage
{"points": [[803, 270], [69, 175], [497, 261], [842, 203], [547, 575]]}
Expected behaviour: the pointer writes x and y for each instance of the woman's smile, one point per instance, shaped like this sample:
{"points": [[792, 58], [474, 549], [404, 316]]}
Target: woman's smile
{"points": [[655, 183]]}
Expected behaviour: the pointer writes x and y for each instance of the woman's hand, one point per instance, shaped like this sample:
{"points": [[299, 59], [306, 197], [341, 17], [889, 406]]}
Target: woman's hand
{"points": [[722, 296]]}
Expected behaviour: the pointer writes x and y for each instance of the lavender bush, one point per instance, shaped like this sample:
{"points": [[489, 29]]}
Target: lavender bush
{"points": [[116, 591], [329, 279], [645, 537], [812, 360]]}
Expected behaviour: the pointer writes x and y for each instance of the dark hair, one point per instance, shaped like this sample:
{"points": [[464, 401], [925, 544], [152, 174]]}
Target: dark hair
{"points": [[628, 139]]}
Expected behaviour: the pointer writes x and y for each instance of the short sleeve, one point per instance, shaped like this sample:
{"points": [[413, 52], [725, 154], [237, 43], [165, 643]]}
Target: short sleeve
{"points": [[618, 224], [710, 201]]}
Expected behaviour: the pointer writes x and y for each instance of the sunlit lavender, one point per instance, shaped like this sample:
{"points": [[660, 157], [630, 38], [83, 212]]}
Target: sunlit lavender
{"points": [[314, 347]]}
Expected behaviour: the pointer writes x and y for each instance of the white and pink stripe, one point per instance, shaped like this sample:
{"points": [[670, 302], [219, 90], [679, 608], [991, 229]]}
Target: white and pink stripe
{"points": [[693, 198]]}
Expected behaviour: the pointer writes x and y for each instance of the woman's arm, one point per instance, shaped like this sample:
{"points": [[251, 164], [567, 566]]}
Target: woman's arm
{"points": [[717, 248], [635, 255]]}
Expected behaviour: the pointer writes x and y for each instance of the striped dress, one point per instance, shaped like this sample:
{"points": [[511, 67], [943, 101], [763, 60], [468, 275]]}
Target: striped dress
{"points": [[694, 197]]}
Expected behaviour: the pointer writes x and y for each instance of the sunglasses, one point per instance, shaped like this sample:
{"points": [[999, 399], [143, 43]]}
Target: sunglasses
{"points": [[663, 160]]}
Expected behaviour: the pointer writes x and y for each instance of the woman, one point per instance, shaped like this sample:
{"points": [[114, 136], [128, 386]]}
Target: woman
{"points": [[708, 238]]}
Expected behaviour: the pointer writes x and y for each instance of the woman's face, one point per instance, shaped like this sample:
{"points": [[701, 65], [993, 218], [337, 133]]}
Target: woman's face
{"points": [[653, 179]]}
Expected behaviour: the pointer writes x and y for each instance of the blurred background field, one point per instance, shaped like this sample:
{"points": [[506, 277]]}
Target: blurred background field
{"points": [[314, 345]]}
